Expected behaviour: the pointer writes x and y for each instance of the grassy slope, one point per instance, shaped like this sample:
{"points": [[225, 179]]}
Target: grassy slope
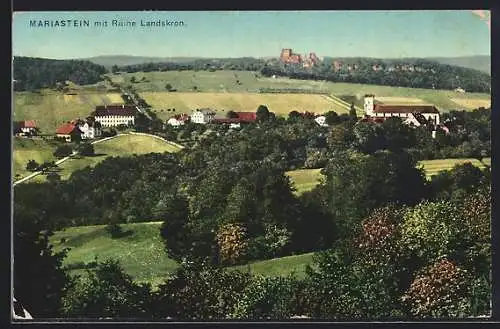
{"points": [[51, 108], [25, 149], [118, 146], [433, 167], [225, 81], [142, 253]]}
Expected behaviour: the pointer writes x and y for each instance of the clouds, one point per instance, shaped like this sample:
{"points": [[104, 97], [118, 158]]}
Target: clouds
{"points": [[484, 15]]}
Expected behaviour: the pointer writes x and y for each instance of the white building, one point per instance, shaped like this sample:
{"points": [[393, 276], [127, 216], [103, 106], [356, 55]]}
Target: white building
{"points": [[404, 111], [202, 116], [178, 120], [90, 129], [321, 120], [115, 115]]}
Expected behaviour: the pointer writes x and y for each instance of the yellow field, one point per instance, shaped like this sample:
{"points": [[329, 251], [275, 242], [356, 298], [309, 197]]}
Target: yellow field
{"points": [[400, 100], [472, 103], [50, 108], [281, 104]]}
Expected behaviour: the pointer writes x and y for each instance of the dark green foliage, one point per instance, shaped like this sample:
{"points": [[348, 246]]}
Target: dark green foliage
{"points": [[32, 165], [231, 114], [63, 151], [86, 149], [40, 281], [36, 73], [357, 183], [198, 291], [174, 212], [106, 291], [263, 113]]}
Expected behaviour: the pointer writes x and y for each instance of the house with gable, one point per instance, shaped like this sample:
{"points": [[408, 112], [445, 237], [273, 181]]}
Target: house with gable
{"points": [[90, 128], [69, 131], [25, 128], [115, 115], [178, 120], [203, 116]]}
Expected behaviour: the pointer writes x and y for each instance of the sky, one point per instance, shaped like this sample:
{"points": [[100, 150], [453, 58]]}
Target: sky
{"points": [[380, 34]]}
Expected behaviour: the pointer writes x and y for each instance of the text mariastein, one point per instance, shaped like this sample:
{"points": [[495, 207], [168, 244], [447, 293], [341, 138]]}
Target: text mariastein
{"points": [[112, 23]]}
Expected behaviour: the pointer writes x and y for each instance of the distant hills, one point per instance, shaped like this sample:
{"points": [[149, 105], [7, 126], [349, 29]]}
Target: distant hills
{"points": [[481, 62], [123, 60]]}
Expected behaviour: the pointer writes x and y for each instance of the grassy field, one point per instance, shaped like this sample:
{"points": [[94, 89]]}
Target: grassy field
{"points": [[51, 108], [142, 254], [282, 266], [432, 167], [25, 149], [119, 146], [281, 104], [472, 103], [304, 179], [225, 81]]}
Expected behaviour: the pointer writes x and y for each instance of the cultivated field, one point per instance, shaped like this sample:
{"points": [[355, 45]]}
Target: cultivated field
{"points": [[281, 104], [472, 103], [25, 149], [304, 179], [124, 145], [307, 179], [251, 82], [51, 108], [432, 167], [399, 100]]}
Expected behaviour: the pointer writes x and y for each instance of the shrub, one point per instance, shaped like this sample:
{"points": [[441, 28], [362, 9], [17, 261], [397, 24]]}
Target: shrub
{"points": [[270, 298], [232, 243], [199, 291], [86, 149], [63, 151], [439, 291]]}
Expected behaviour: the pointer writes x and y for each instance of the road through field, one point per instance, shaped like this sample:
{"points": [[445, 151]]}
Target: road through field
{"points": [[36, 173]]}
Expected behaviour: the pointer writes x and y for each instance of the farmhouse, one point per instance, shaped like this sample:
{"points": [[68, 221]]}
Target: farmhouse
{"points": [[69, 131], [241, 117], [178, 120], [202, 116], [115, 115], [25, 128], [90, 128], [408, 113]]}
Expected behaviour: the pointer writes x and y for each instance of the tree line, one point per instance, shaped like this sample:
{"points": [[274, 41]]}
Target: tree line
{"points": [[35, 73]]}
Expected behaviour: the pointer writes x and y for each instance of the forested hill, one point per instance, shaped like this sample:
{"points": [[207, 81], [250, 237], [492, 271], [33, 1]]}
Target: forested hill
{"points": [[408, 72], [34, 73]]}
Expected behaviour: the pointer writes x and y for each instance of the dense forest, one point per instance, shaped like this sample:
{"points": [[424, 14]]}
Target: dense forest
{"points": [[384, 251], [34, 73], [414, 73]]}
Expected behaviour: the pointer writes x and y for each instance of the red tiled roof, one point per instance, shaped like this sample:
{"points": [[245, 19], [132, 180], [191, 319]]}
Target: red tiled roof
{"points": [[25, 124], [383, 108], [119, 110], [247, 116], [66, 129], [180, 117], [227, 120]]}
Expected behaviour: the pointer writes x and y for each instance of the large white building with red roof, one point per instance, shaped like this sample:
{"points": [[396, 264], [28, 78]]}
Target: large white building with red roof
{"points": [[115, 115], [416, 114]]}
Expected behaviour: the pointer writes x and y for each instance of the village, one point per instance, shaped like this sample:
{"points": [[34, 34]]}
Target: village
{"points": [[119, 115]]}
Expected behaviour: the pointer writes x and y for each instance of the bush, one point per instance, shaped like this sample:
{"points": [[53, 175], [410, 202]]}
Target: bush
{"points": [[107, 291], [200, 292], [269, 298], [63, 151], [86, 149], [32, 165]]}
